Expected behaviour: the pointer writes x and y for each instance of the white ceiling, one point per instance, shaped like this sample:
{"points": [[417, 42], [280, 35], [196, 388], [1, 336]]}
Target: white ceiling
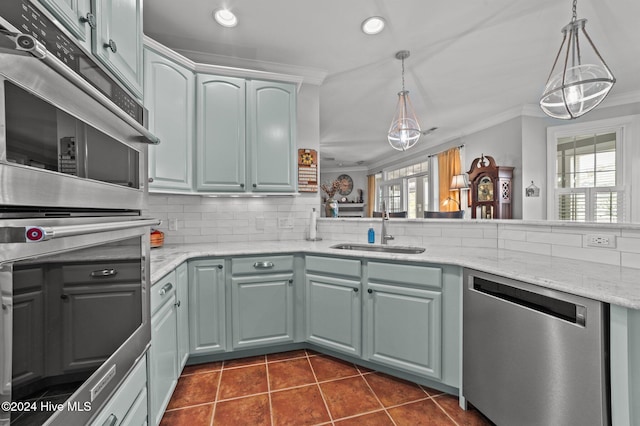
{"points": [[471, 60]]}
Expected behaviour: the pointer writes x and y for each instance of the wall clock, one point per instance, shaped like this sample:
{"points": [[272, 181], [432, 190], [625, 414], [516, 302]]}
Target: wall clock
{"points": [[346, 184]]}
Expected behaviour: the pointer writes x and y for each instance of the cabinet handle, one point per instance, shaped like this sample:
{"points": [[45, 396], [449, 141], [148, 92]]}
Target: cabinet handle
{"points": [[165, 288], [290, 281], [112, 420], [64, 297], [90, 19], [263, 265], [355, 290], [111, 45], [242, 185], [255, 186], [104, 273], [219, 266], [177, 304], [150, 180], [369, 291]]}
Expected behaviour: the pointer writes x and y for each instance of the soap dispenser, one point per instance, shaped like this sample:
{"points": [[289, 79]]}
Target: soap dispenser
{"points": [[371, 234]]}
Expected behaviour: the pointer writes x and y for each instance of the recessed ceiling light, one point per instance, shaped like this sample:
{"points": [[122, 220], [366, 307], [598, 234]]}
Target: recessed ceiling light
{"points": [[225, 18], [373, 25]]}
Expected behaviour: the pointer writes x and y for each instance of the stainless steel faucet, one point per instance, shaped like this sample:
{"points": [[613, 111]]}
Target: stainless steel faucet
{"points": [[384, 237]]}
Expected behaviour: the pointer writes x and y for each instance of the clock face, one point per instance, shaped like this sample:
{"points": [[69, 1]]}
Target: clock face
{"points": [[346, 184], [485, 189]]}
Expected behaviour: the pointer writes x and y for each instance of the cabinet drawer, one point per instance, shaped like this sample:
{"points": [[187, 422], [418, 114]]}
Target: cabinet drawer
{"points": [[101, 272], [332, 265], [406, 274], [261, 264], [163, 290]]}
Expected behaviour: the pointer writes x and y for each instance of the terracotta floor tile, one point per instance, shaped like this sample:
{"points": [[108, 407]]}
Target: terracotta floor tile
{"points": [[431, 391], [287, 374], [392, 391], [243, 381], [195, 389], [202, 368], [420, 413], [348, 397], [241, 362], [471, 417], [191, 416], [379, 418], [251, 410], [329, 368], [300, 353], [299, 406]]}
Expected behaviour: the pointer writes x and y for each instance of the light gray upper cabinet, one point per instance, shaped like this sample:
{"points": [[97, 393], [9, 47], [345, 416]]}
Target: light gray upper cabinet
{"points": [[220, 133], [169, 90], [271, 115], [76, 16], [245, 135], [404, 317], [117, 40], [207, 307]]}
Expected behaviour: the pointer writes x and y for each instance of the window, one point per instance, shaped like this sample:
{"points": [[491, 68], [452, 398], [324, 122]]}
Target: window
{"points": [[404, 189], [587, 172]]}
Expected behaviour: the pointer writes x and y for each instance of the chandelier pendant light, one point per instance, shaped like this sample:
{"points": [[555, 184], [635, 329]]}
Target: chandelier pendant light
{"points": [[579, 79], [405, 130]]}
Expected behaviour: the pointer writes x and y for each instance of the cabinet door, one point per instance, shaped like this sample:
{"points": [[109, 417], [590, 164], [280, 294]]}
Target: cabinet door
{"points": [[333, 312], [206, 307], [89, 310], [73, 14], [403, 328], [169, 97], [163, 358], [182, 303], [220, 133], [272, 136], [117, 42], [28, 328], [262, 310]]}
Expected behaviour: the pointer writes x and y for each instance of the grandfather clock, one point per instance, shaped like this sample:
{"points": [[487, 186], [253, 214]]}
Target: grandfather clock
{"points": [[490, 189]]}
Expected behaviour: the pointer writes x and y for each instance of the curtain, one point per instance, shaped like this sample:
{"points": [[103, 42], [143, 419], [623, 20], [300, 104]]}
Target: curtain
{"points": [[448, 166], [371, 194]]}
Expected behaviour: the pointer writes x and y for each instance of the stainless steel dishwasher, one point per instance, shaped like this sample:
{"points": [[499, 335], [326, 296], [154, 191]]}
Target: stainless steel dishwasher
{"points": [[534, 356]]}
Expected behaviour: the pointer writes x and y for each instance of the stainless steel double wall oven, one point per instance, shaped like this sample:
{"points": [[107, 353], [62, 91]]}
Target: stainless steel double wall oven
{"points": [[74, 246]]}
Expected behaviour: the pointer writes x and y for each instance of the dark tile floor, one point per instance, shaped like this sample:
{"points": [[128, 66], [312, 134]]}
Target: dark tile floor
{"points": [[306, 388]]}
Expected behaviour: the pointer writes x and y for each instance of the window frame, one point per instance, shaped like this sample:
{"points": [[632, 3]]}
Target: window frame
{"points": [[623, 128]]}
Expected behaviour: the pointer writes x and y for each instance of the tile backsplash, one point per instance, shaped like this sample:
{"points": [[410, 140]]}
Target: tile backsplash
{"points": [[244, 219]]}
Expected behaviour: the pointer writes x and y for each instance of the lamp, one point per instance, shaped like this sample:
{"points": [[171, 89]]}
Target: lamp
{"points": [[579, 82], [405, 130], [458, 182]]}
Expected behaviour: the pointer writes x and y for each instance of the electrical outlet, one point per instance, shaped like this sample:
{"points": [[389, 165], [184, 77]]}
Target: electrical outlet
{"points": [[173, 224], [285, 222], [601, 240]]}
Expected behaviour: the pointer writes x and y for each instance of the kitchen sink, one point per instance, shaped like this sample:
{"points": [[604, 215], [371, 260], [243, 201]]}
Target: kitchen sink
{"points": [[379, 248]]}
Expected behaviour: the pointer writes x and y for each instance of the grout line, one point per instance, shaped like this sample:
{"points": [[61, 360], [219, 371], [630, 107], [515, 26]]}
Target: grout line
{"points": [[269, 391], [215, 402], [445, 411], [378, 399], [326, 406]]}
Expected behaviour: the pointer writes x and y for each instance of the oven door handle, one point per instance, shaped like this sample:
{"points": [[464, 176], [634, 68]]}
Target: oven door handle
{"points": [[35, 234], [26, 43]]}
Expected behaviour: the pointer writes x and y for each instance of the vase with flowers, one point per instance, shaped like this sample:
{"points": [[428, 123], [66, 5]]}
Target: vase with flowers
{"points": [[331, 205]]}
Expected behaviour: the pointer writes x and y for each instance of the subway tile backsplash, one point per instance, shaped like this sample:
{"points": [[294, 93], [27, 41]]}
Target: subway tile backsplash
{"points": [[219, 220]]}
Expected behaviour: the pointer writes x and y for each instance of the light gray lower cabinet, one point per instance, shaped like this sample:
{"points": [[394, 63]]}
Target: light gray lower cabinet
{"points": [[128, 406], [182, 308], [207, 307], [403, 310], [262, 291], [333, 304], [163, 354]]}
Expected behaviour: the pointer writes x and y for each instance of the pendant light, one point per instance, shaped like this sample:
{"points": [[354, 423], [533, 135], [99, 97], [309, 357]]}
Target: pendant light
{"points": [[579, 79], [405, 130]]}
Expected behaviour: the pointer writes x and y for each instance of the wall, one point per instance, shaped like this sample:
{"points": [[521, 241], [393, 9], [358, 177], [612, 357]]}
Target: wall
{"points": [[359, 178]]}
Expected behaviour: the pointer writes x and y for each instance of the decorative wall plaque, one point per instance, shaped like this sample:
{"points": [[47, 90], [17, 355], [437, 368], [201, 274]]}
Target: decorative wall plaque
{"points": [[307, 170]]}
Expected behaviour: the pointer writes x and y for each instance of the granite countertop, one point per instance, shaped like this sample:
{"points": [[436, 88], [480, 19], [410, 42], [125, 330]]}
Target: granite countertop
{"points": [[611, 284]]}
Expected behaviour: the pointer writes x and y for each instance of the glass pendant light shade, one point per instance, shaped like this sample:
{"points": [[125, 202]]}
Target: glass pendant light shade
{"points": [[405, 130], [579, 79]]}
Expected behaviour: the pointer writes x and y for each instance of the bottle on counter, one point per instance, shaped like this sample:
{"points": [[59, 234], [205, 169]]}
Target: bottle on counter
{"points": [[371, 234]]}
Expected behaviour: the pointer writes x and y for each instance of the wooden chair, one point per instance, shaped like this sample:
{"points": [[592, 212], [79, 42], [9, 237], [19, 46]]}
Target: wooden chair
{"points": [[458, 214]]}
